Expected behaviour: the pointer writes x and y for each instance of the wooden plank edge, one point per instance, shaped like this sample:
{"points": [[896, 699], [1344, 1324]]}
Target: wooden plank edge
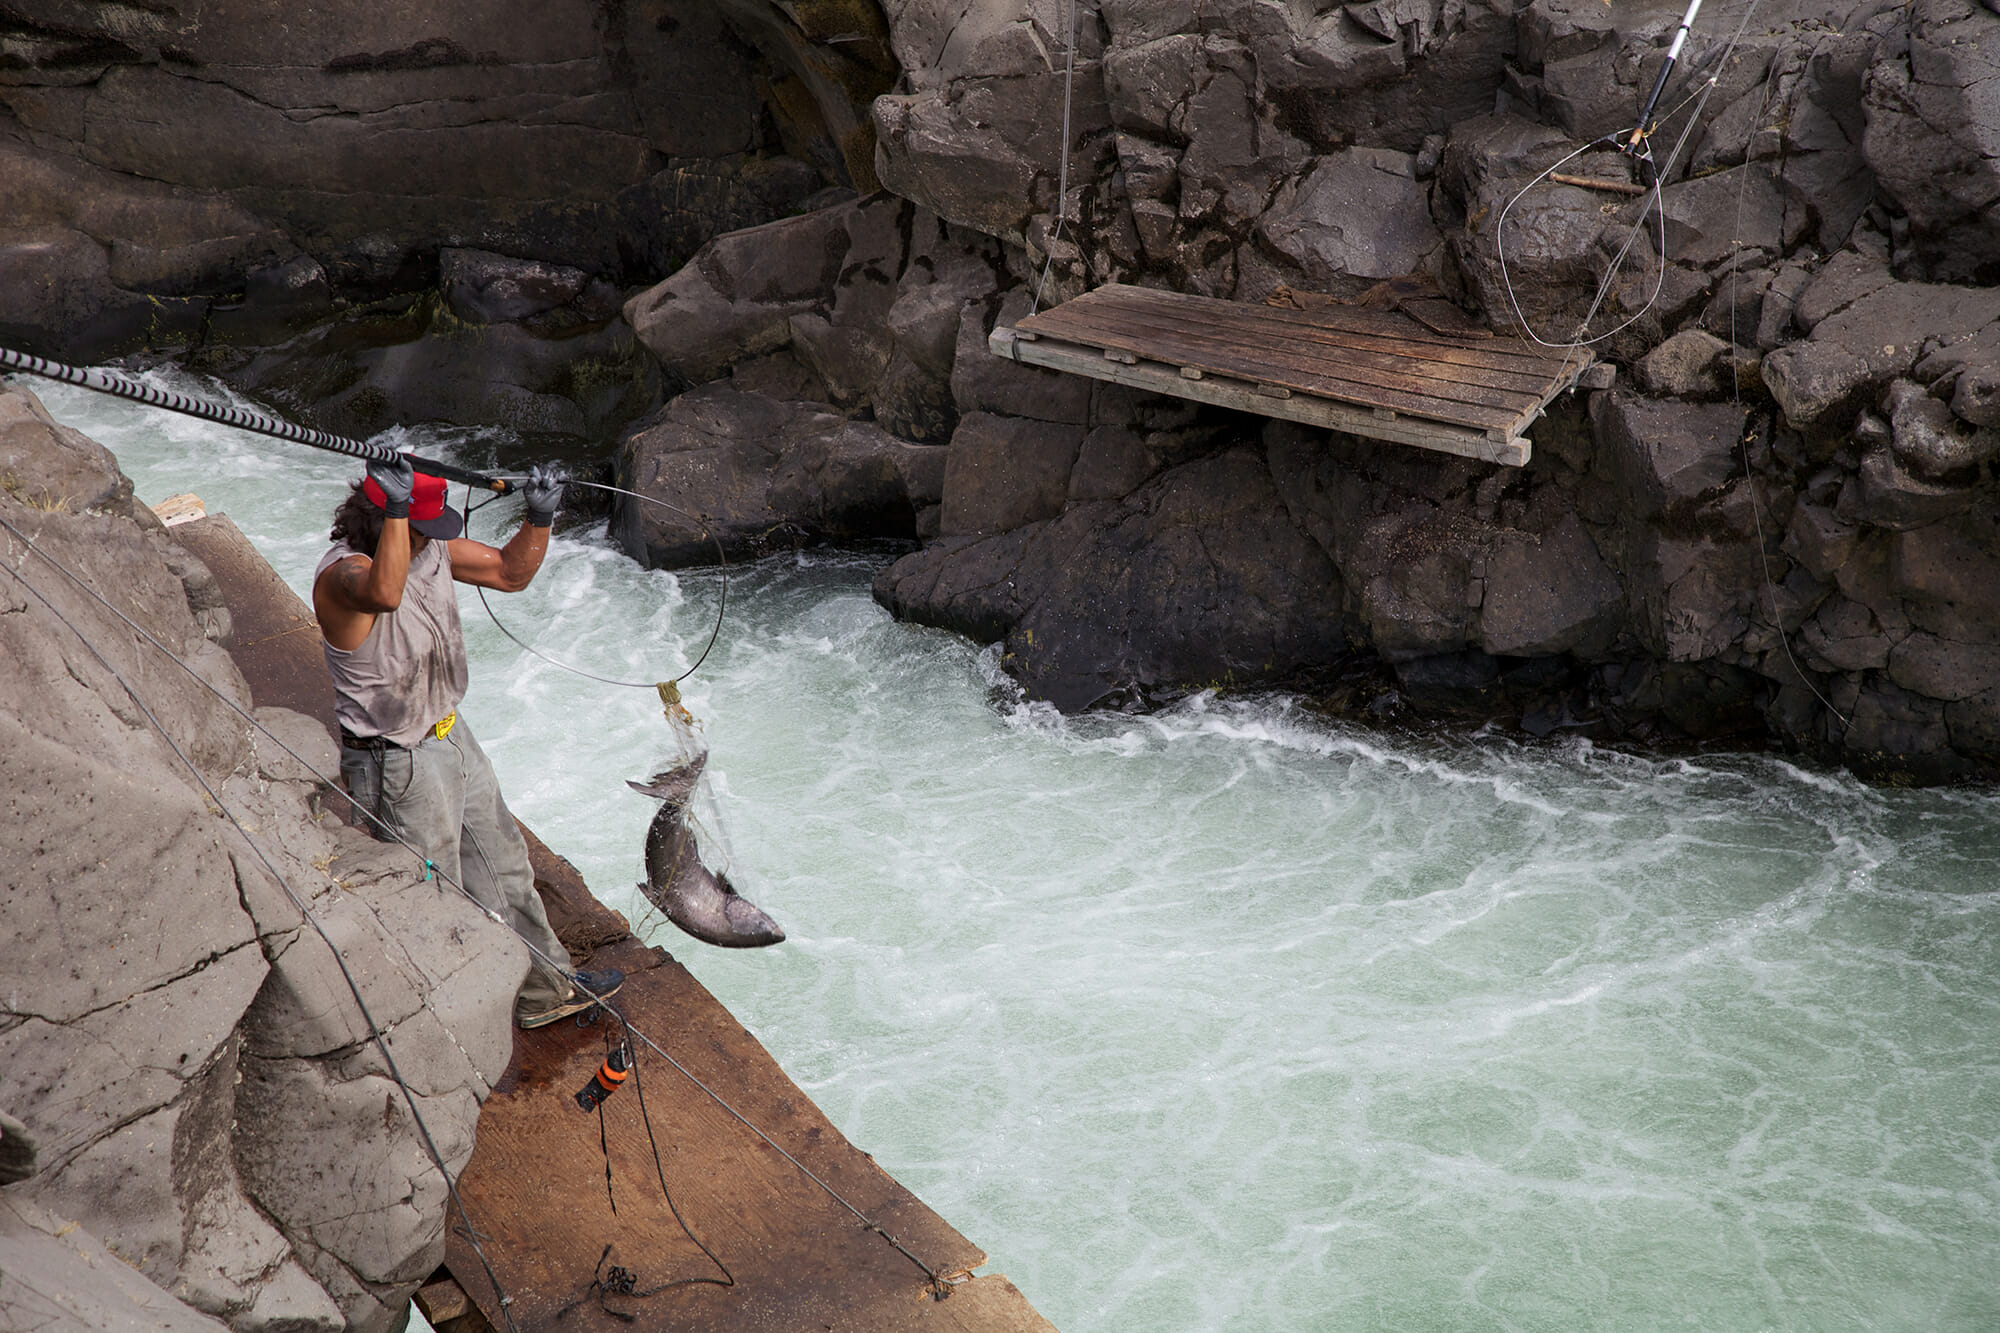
{"points": [[442, 1299], [1510, 450]]}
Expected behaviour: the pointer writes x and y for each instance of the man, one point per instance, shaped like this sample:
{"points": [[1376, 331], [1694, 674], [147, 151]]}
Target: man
{"points": [[389, 615]]}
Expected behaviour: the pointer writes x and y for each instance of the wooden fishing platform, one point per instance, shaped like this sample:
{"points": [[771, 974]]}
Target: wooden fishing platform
{"points": [[1427, 379], [536, 1188]]}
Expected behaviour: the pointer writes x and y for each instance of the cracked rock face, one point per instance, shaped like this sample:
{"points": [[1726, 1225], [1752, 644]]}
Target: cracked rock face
{"points": [[173, 1035], [170, 161], [1750, 534]]}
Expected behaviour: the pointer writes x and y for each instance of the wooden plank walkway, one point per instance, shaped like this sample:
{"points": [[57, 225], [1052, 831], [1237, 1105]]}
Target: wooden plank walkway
{"points": [[1377, 373]]}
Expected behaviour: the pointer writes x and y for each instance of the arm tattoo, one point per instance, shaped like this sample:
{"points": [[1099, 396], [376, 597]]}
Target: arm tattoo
{"points": [[350, 578]]}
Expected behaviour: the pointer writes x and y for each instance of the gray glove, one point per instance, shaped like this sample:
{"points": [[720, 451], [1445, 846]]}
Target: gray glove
{"points": [[397, 480], [543, 492]]}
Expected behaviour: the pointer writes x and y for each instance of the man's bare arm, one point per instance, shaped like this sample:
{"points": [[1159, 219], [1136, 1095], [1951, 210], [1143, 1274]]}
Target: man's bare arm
{"points": [[507, 569], [352, 592]]}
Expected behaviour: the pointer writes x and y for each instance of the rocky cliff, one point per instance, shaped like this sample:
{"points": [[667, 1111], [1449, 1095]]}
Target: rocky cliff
{"points": [[185, 1079], [420, 194], [1777, 523], [1780, 520]]}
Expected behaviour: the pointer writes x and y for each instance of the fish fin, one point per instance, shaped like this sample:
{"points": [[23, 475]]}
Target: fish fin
{"points": [[673, 784]]}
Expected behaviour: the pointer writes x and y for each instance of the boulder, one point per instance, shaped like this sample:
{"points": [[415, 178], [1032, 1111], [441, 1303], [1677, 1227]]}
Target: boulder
{"points": [[481, 287], [134, 1069], [865, 294], [1196, 577], [1548, 594], [1665, 456], [1541, 263], [1866, 330], [1929, 440], [1733, 214], [1691, 597], [1847, 636], [985, 154], [735, 299], [1933, 136], [1890, 729], [753, 473], [1003, 472], [1360, 213], [1884, 494], [1974, 725], [1691, 364], [1236, 152], [1819, 539], [61, 1276], [982, 382]]}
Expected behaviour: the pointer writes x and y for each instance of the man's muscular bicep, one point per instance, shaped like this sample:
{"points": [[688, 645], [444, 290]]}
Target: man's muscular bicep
{"points": [[347, 582]]}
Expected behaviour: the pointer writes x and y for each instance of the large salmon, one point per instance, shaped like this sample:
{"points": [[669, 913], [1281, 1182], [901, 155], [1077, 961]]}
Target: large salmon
{"points": [[696, 899]]}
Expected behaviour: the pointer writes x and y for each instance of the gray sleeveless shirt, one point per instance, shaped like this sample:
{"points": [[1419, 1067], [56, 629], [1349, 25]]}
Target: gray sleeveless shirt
{"points": [[410, 670]]}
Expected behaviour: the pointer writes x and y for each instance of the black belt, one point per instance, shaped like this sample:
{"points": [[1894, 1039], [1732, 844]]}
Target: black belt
{"points": [[373, 744]]}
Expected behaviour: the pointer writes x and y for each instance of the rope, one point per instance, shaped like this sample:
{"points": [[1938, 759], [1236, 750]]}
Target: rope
{"points": [[1756, 500], [940, 1285], [124, 386], [728, 1279], [1653, 206], [721, 607], [375, 1032], [1062, 177]]}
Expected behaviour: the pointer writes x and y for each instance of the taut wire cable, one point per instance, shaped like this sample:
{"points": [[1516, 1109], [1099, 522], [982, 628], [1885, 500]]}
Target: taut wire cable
{"points": [[722, 605], [1062, 176]]}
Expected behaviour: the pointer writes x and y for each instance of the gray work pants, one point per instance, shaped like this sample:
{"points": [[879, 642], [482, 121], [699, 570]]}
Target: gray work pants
{"points": [[442, 798]]}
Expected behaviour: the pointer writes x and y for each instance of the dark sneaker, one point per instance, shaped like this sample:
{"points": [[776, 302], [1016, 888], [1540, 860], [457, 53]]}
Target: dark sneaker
{"points": [[589, 989]]}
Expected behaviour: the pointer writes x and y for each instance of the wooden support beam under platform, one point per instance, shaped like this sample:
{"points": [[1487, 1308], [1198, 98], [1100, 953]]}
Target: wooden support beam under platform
{"points": [[1378, 373]]}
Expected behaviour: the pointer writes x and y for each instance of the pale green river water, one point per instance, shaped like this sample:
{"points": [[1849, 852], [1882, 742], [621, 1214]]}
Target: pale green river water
{"points": [[1232, 1018]]}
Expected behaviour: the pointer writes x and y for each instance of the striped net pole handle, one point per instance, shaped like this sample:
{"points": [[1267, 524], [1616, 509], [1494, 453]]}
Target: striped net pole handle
{"points": [[122, 386]]}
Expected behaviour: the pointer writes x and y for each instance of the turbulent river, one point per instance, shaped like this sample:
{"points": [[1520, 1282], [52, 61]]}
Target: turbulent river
{"points": [[1233, 1018]]}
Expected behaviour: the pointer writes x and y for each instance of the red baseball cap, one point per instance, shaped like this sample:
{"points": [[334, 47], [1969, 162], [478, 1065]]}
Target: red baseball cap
{"points": [[429, 514]]}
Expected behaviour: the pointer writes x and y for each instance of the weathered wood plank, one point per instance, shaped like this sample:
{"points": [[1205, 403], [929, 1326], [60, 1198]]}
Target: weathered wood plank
{"points": [[536, 1190], [1366, 376], [1314, 346], [1403, 391], [1333, 319], [1502, 366], [1324, 413], [1378, 373], [1357, 320]]}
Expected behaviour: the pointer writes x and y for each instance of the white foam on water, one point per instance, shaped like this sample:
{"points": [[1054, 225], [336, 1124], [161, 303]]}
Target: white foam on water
{"points": [[1232, 1018]]}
